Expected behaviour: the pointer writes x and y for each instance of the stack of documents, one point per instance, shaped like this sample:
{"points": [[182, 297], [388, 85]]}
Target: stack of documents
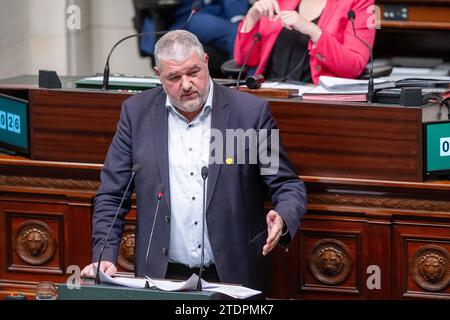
{"points": [[320, 93], [335, 84], [342, 89]]}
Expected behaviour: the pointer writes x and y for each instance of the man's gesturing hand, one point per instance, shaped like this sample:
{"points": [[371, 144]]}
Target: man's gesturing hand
{"points": [[274, 229]]}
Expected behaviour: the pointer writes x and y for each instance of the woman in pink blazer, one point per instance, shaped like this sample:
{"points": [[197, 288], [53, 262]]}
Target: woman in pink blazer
{"points": [[330, 43]]}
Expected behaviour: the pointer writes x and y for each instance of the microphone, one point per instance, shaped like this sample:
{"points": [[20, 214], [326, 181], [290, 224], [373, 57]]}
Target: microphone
{"points": [[370, 90], [256, 39], [194, 9], [202, 259], [159, 196], [134, 171], [254, 82]]}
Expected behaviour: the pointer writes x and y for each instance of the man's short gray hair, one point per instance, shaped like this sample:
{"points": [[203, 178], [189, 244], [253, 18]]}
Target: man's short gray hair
{"points": [[177, 45]]}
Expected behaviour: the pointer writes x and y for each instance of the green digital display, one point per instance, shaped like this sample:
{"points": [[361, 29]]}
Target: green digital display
{"points": [[437, 148], [14, 124]]}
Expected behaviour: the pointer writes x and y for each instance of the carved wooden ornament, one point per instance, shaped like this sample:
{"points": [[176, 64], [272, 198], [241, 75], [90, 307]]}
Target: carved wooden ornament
{"points": [[430, 267], [126, 251], [330, 261], [35, 243]]}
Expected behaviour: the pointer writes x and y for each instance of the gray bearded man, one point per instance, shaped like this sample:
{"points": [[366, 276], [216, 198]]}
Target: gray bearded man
{"points": [[167, 131]]}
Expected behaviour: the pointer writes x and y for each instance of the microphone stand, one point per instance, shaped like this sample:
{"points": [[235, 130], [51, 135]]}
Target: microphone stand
{"points": [[135, 169], [195, 9], [106, 70], [370, 87], [256, 39], [160, 194], [202, 259]]}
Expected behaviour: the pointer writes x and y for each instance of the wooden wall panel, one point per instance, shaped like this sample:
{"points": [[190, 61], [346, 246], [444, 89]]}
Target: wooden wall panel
{"points": [[422, 259], [330, 139], [356, 161], [56, 228], [352, 141], [75, 126], [35, 239], [375, 223], [329, 258]]}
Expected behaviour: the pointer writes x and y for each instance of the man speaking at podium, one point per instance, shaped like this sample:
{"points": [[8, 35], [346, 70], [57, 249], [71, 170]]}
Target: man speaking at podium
{"points": [[174, 133]]}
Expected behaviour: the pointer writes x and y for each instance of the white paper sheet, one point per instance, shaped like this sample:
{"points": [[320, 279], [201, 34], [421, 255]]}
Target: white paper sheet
{"points": [[235, 291], [281, 85]]}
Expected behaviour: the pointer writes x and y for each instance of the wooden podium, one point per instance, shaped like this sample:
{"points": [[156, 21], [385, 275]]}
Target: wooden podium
{"points": [[332, 139], [106, 292], [361, 163]]}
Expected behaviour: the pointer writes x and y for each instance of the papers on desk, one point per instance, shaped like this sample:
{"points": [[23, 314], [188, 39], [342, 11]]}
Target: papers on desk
{"points": [[237, 292], [168, 285], [137, 283], [322, 94], [342, 89], [335, 84], [282, 85], [418, 72]]}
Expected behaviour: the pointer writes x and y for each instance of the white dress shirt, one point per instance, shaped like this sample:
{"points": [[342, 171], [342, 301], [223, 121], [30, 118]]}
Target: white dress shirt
{"points": [[188, 152]]}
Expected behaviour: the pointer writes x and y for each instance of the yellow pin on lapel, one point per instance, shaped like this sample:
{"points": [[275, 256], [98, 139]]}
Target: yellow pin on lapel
{"points": [[229, 160]]}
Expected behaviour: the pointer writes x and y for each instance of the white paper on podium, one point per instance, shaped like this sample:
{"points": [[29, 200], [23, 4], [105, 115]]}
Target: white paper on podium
{"points": [[238, 292], [138, 283], [235, 291], [170, 285]]}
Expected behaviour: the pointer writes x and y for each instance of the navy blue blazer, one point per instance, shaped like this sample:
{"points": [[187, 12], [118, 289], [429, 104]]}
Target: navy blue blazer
{"points": [[236, 217]]}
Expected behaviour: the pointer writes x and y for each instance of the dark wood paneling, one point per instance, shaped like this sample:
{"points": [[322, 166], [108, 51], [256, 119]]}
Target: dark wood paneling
{"points": [[422, 18], [381, 221], [327, 139], [411, 237], [337, 237], [377, 256], [75, 126], [19, 215], [351, 140], [422, 15]]}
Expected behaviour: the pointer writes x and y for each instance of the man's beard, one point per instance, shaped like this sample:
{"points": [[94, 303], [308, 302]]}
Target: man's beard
{"points": [[193, 104]]}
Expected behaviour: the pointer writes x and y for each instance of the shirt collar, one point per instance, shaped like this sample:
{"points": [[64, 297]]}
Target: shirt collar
{"points": [[207, 106]]}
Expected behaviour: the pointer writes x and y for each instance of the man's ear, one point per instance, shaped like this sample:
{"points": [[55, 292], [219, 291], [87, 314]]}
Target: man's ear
{"points": [[206, 59], [156, 71]]}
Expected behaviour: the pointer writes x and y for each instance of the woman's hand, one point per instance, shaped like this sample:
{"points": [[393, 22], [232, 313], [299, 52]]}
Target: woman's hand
{"points": [[261, 8], [293, 20]]}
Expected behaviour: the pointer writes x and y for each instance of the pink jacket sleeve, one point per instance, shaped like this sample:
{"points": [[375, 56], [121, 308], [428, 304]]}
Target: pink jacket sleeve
{"points": [[341, 52], [243, 44]]}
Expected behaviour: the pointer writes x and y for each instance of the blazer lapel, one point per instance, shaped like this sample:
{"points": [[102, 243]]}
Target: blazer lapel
{"points": [[219, 120], [160, 140]]}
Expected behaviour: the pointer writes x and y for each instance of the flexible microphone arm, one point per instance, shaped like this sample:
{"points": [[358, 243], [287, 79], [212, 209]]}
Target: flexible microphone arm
{"points": [[134, 171], [195, 8], [370, 90], [159, 196], [256, 39], [202, 259]]}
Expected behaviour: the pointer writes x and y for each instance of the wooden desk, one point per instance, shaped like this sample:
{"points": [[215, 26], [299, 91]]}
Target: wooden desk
{"points": [[364, 216], [350, 140]]}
